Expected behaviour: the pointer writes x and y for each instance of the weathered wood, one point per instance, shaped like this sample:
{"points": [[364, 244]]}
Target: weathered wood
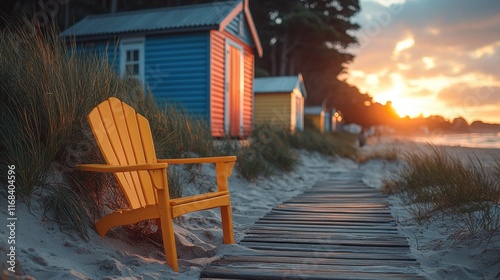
{"points": [[330, 217], [283, 246], [287, 208], [339, 229], [328, 241], [341, 204], [262, 273], [312, 264], [332, 230], [360, 237], [367, 262], [335, 255], [313, 223]]}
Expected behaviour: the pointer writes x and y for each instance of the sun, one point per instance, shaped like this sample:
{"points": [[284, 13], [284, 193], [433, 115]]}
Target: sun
{"points": [[403, 102], [404, 106], [407, 106]]}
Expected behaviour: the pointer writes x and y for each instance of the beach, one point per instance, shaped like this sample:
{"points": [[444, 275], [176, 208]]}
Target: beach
{"points": [[43, 251]]}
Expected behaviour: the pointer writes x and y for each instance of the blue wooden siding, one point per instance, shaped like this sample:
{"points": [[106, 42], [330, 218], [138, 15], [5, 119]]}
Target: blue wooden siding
{"points": [[177, 70], [233, 28]]}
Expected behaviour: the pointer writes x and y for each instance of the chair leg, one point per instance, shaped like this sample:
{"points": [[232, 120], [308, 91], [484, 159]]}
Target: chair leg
{"points": [[167, 232], [227, 224]]}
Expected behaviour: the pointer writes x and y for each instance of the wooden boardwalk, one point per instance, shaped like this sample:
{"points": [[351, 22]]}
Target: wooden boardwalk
{"points": [[339, 229]]}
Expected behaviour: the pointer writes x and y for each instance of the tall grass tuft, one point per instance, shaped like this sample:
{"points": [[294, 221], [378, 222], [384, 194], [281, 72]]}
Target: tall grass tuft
{"points": [[251, 164], [273, 146], [436, 183], [68, 209], [47, 90]]}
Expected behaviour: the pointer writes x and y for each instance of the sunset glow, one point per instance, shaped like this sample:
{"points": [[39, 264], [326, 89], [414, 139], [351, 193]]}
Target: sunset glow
{"points": [[430, 59], [405, 106]]}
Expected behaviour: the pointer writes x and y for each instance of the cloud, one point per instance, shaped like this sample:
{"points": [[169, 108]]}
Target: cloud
{"points": [[421, 93], [448, 30], [403, 45], [447, 48], [463, 95]]}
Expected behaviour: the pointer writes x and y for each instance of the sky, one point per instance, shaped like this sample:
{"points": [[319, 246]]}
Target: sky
{"points": [[430, 57]]}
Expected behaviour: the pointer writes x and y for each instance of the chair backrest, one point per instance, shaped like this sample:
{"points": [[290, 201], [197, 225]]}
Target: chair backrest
{"points": [[124, 138]]}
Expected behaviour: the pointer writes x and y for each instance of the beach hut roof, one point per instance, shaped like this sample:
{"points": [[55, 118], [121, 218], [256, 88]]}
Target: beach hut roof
{"points": [[313, 110], [165, 20], [279, 84]]}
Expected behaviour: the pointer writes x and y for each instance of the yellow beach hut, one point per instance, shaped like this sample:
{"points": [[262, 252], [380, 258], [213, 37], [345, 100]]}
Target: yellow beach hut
{"points": [[280, 101], [316, 115]]}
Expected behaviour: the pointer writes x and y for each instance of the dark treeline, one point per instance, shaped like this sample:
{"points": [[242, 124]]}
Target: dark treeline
{"points": [[298, 36]]}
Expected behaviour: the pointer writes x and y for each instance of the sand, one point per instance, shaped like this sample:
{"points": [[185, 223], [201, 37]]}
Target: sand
{"points": [[43, 251], [444, 251]]}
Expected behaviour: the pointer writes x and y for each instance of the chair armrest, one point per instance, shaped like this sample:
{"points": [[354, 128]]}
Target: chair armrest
{"points": [[120, 168], [198, 160]]}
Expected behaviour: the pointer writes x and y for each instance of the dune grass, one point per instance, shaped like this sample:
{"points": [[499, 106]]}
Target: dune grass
{"points": [[436, 183]]}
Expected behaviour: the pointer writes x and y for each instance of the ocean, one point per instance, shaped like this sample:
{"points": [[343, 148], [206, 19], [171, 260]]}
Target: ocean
{"points": [[473, 140]]}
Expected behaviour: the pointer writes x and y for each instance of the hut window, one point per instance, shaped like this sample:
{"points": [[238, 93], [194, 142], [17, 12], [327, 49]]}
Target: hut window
{"points": [[132, 58]]}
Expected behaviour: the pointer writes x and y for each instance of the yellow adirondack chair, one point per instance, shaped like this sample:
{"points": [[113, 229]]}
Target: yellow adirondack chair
{"points": [[125, 140]]}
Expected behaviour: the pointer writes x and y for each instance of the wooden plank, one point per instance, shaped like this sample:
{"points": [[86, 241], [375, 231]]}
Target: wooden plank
{"points": [[346, 192], [330, 217], [307, 223], [314, 263], [335, 255], [312, 267], [341, 204], [339, 225], [317, 261], [330, 236], [329, 241], [292, 230], [284, 208], [265, 273], [357, 203], [277, 246]]}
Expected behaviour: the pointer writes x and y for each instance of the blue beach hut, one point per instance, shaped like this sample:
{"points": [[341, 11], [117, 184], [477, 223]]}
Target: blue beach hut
{"points": [[200, 57]]}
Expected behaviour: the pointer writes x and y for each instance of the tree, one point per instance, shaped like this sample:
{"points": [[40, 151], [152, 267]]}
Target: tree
{"points": [[308, 37]]}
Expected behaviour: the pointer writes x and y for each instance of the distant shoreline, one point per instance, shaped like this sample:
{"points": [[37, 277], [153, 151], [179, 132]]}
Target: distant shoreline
{"points": [[405, 144], [484, 140]]}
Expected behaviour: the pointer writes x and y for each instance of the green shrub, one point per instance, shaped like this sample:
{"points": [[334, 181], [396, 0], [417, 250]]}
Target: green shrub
{"points": [[251, 164], [271, 144]]}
